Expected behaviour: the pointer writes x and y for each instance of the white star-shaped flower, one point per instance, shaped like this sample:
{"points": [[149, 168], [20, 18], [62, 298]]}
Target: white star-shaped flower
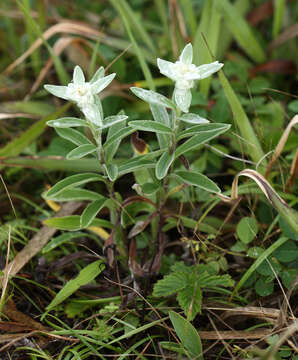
{"points": [[83, 93], [184, 73]]}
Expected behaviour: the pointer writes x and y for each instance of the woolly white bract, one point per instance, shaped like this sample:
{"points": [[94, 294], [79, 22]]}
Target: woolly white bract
{"points": [[83, 93], [184, 73]]}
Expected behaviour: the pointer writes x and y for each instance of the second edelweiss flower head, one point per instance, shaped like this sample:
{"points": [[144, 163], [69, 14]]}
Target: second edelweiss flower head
{"points": [[183, 72], [83, 93]]}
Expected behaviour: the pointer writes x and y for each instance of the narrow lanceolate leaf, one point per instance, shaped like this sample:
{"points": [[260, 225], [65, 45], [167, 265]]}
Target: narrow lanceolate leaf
{"points": [[71, 181], [241, 31], [110, 150], [112, 171], [112, 120], [61, 239], [199, 139], [197, 129], [72, 135], [160, 115], [149, 125], [91, 211], [121, 134], [193, 119], [199, 180], [84, 277], [152, 97], [67, 122], [73, 223], [188, 336], [81, 151], [76, 194], [252, 145], [163, 164]]}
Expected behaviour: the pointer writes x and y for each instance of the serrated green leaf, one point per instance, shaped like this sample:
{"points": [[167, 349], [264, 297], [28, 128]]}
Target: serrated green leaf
{"points": [[199, 180], [163, 164], [188, 335], [149, 125], [190, 300], [91, 211], [71, 181], [84, 277], [81, 151], [170, 284], [67, 122]]}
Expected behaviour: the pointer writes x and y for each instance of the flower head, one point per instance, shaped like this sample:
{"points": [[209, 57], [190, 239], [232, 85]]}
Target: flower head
{"points": [[184, 73], [83, 93]]}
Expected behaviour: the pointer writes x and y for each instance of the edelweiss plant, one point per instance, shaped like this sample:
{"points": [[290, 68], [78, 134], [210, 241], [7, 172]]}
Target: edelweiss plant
{"points": [[156, 173]]}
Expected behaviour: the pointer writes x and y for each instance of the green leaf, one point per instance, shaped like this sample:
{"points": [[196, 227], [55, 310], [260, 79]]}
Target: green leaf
{"points": [[150, 188], [264, 287], [199, 139], [76, 194], [161, 116], [71, 181], [197, 129], [252, 145], [91, 211], [193, 119], [163, 164], [84, 277], [61, 239], [122, 133], [247, 229], [67, 122], [73, 223], [135, 164], [258, 262], [170, 284], [199, 180], [81, 151], [241, 30], [287, 252], [113, 120], [149, 125], [152, 97], [112, 171], [72, 135], [110, 150], [188, 336], [190, 300], [269, 267]]}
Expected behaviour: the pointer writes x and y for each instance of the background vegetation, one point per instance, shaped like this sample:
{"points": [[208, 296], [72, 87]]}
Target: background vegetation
{"points": [[225, 278]]}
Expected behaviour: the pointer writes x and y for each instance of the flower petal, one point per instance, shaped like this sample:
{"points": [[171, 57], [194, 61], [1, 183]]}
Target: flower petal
{"points": [[59, 91], [208, 69], [101, 83], [78, 75], [98, 75], [186, 55], [167, 68], [182, 99], [92, 113]]}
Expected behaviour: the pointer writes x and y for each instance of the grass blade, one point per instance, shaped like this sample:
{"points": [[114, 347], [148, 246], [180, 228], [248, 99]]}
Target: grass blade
{"points": [[241, 31], [252, 145]]}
